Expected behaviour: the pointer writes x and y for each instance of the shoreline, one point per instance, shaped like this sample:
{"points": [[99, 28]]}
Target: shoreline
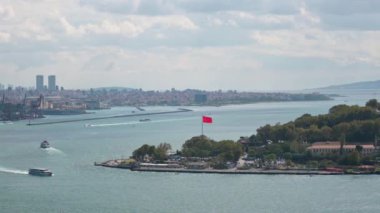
{"points": [[233, 171], [237, 172]]}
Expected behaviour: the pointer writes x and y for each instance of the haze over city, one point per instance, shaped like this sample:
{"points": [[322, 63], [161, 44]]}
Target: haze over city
{"points": [[156, 44]]}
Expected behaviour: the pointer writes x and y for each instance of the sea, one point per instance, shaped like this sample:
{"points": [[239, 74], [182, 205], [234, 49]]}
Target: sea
{"points": [[79, 186]]}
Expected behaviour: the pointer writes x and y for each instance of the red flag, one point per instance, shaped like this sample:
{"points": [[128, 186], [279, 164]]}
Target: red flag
{"points": [[206, 119]]}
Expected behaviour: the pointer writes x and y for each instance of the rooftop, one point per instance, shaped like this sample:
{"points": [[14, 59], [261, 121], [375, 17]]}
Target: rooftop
{"points": [[336, 145]]}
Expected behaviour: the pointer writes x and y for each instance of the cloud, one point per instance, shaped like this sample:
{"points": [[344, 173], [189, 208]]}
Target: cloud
{"points": [[4, 37], [159, 7], [341, 46], [6, 12], [141, 7], [257, 44], [132, 26], [346, 7]]}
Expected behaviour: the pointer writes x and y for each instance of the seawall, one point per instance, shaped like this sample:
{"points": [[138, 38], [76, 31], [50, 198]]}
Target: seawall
{"points": [[108, 117]]}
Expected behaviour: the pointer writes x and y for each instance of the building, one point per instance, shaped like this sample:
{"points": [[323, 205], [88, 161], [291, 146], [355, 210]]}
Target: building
{"points": [[200, 98], [95, 105], [39, 82], [197, 165], [51, 83], [333, 147]]}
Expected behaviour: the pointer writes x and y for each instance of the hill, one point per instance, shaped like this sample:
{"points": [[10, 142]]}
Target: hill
{"points": [[355, 85]]}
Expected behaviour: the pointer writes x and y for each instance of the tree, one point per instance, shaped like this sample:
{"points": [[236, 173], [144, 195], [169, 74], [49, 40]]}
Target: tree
{"points": [[353, 158], [228, 150], [287, 156], [251, 153], [161, 152], [372, 104], [199, 146], [164, 146], [312, 164], [305, 121], [145, 149], [326, 163], [359, 148], [342, 140], [264, 133], [270, 157]]}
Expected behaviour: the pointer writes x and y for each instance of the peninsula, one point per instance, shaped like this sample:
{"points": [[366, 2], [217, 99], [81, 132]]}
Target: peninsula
{"points": [[344, 141]]}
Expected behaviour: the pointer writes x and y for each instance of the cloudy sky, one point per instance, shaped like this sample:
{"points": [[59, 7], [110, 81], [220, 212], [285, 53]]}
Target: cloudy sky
{"points": [[207, 44]]}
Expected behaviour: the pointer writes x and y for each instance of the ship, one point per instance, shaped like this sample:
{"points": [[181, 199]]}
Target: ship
{"points": [[44, 145], [144, 120], [40, 172]]}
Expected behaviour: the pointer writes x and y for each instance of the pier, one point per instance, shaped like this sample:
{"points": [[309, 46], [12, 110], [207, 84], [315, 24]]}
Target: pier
{"points": [[108, 117]]}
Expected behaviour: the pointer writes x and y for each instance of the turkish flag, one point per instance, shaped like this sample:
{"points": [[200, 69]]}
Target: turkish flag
{"points": [[206, 119]]}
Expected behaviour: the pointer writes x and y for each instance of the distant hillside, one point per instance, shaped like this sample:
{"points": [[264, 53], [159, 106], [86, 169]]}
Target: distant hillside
{"points": [[356, 85]]}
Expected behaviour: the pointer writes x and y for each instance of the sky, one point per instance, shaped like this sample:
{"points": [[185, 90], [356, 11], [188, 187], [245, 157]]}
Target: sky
{"points": [[247, 45]]}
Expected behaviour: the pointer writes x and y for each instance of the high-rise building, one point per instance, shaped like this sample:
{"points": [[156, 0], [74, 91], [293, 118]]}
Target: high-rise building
{"points": [[51, 83], [39, 82]]}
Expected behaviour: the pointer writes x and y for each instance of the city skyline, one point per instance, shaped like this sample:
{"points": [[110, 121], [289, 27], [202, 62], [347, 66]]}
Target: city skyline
{"points": [[211, 45]]}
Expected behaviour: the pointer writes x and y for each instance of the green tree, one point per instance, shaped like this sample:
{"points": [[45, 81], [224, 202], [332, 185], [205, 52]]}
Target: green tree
{"points": [[252, 153], [359, 149], [145, 149], [199, 146], [312, 164], [353, 158], [270, 157], [372, 104], [342, 140], [164, 146]]}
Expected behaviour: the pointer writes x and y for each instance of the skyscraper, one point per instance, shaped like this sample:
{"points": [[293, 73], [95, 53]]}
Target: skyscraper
{"points": [[51, 83], [39, 82]]}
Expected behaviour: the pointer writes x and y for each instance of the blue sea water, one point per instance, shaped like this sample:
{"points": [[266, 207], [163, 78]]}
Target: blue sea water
{"points": [[78, 186]]}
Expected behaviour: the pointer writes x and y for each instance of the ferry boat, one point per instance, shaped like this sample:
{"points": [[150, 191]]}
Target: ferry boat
{"points": [[40, 172], [45, 145]]}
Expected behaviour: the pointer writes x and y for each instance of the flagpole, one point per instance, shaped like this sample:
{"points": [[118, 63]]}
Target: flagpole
{"points": [[202, 125]]}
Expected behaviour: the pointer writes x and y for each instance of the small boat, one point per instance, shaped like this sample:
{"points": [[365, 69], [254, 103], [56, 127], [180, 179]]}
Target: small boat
{"points": [[40, 172], [45, 145], [144, 120]]}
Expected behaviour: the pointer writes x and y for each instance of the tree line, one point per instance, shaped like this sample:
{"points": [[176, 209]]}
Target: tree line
{"points": [[354, 123], [198, 147]]}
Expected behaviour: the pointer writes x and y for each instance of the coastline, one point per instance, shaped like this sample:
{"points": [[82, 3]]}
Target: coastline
{"points": [[233, 171], [237, 172]]}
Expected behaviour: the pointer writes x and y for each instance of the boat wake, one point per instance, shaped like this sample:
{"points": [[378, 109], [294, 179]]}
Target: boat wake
{"points": [[139, 122], [6, 123], [53, 151], [13, 171]]}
